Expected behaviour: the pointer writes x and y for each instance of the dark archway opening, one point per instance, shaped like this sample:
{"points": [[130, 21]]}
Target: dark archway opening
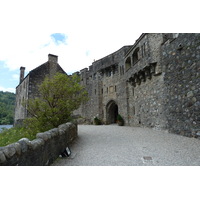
{"points": [[112, 112]]}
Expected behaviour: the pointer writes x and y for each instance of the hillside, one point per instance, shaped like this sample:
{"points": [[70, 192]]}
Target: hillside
{"points": [[7, 106]]}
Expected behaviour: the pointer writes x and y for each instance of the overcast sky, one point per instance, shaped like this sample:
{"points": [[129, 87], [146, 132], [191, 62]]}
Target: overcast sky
{"points": [[78, 31]]}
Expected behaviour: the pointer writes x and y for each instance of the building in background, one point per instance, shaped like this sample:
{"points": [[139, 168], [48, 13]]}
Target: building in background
{"points": [[28, 86]]}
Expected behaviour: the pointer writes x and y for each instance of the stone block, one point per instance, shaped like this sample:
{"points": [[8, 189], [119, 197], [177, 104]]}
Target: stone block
{"points": [[54, 132], [63, 128], [2, 157], [25, 144], [9, 151], [37, 143], [43, 136]]}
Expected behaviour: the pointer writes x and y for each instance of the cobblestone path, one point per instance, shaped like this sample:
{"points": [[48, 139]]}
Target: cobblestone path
{"points": [[112, 145]]}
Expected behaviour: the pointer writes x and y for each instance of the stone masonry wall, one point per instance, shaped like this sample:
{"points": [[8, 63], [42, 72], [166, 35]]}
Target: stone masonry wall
{"points": [[154, 83], [103, 85], [41, 151], [145, 84], [21, 96], [181, 59], [146, 103], [38, 75]]}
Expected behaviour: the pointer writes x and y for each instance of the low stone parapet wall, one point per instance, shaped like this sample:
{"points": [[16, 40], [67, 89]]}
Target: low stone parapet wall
{"points": [[41, 151]]}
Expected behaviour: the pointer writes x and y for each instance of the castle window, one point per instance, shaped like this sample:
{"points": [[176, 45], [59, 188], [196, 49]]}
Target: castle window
{"points": [[135, 56], [102, 90], [122, 70], [94, 76], [115, 88], [128, 63], [133, 110], [95, 91], [107, 90], [143, 50], [108, 73]]}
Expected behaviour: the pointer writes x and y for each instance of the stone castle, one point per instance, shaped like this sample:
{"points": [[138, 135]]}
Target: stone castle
{"points": [[153, 83]]}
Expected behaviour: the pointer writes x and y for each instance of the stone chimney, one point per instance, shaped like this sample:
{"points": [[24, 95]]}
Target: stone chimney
{"points": [[53, 58], [22, 70]]}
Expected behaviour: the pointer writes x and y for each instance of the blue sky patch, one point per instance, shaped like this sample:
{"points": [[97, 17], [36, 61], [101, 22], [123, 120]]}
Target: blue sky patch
{"points": [[59, 38], [2, 64], [87, 53], [9, 79]]}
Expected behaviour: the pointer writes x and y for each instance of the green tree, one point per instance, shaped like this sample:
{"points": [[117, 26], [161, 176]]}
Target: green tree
{"points": [[7, 104], [59, 97]]}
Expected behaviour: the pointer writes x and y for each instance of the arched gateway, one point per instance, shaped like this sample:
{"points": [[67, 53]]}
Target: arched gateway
{"points": [[111, 112]]}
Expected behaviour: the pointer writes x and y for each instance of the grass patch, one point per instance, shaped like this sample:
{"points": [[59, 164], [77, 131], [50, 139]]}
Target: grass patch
{"points": [[12, 135]]}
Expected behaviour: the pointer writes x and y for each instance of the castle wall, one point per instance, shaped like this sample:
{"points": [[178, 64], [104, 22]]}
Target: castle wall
{"points": [[145, 85], [181, 58], [38, 75], [102, 81], [145, 103], [22, 91]]}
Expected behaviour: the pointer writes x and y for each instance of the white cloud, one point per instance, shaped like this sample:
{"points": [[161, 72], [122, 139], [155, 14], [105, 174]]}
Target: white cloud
{"points": [[7, 89], [89, 27], [97, 27]]}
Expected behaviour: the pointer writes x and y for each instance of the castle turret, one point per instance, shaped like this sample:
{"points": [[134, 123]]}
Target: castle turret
{"points": [[22, 70]]}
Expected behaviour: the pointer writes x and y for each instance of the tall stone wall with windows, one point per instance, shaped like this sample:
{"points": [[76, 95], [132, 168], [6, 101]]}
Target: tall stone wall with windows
{"points": [[102, 81], [153, 83], [144, 76]]}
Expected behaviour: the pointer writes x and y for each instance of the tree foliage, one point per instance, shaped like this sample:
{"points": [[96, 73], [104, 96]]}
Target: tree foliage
{"points": [[59, 97], [7, 106]]}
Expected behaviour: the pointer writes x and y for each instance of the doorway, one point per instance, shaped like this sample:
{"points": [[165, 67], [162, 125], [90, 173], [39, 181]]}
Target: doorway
{"points": [[111, 112]]}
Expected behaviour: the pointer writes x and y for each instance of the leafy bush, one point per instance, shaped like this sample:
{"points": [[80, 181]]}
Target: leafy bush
{"points": [[97, 121], [120, 120], [59, 97], [7, 105], [12, 135]]}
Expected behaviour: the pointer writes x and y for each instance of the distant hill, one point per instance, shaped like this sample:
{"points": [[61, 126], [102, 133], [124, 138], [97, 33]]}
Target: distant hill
{"points": [[7, 107]]}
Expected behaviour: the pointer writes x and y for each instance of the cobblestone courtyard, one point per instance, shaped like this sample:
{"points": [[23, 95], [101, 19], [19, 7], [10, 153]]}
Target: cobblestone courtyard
{"points": [[112, 145]]}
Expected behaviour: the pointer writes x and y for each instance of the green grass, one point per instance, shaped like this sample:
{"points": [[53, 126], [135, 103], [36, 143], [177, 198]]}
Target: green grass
{"points": [[12, 135]]}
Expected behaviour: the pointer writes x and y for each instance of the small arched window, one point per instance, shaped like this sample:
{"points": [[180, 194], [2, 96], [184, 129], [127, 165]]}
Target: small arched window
{"points": [[135, 55], [128, 63]]}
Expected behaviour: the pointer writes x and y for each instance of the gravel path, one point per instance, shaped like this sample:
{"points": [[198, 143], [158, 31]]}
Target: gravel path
{"points": [[112, 145]]}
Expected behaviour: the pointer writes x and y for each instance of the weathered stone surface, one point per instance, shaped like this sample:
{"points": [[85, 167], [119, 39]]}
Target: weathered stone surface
{"points": [[38, 152], [54, 132], [43, 136], [36, 143], [62, 128], [17, 148], [9, 151], [2, 157], [24, 143], [181, 79]]}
